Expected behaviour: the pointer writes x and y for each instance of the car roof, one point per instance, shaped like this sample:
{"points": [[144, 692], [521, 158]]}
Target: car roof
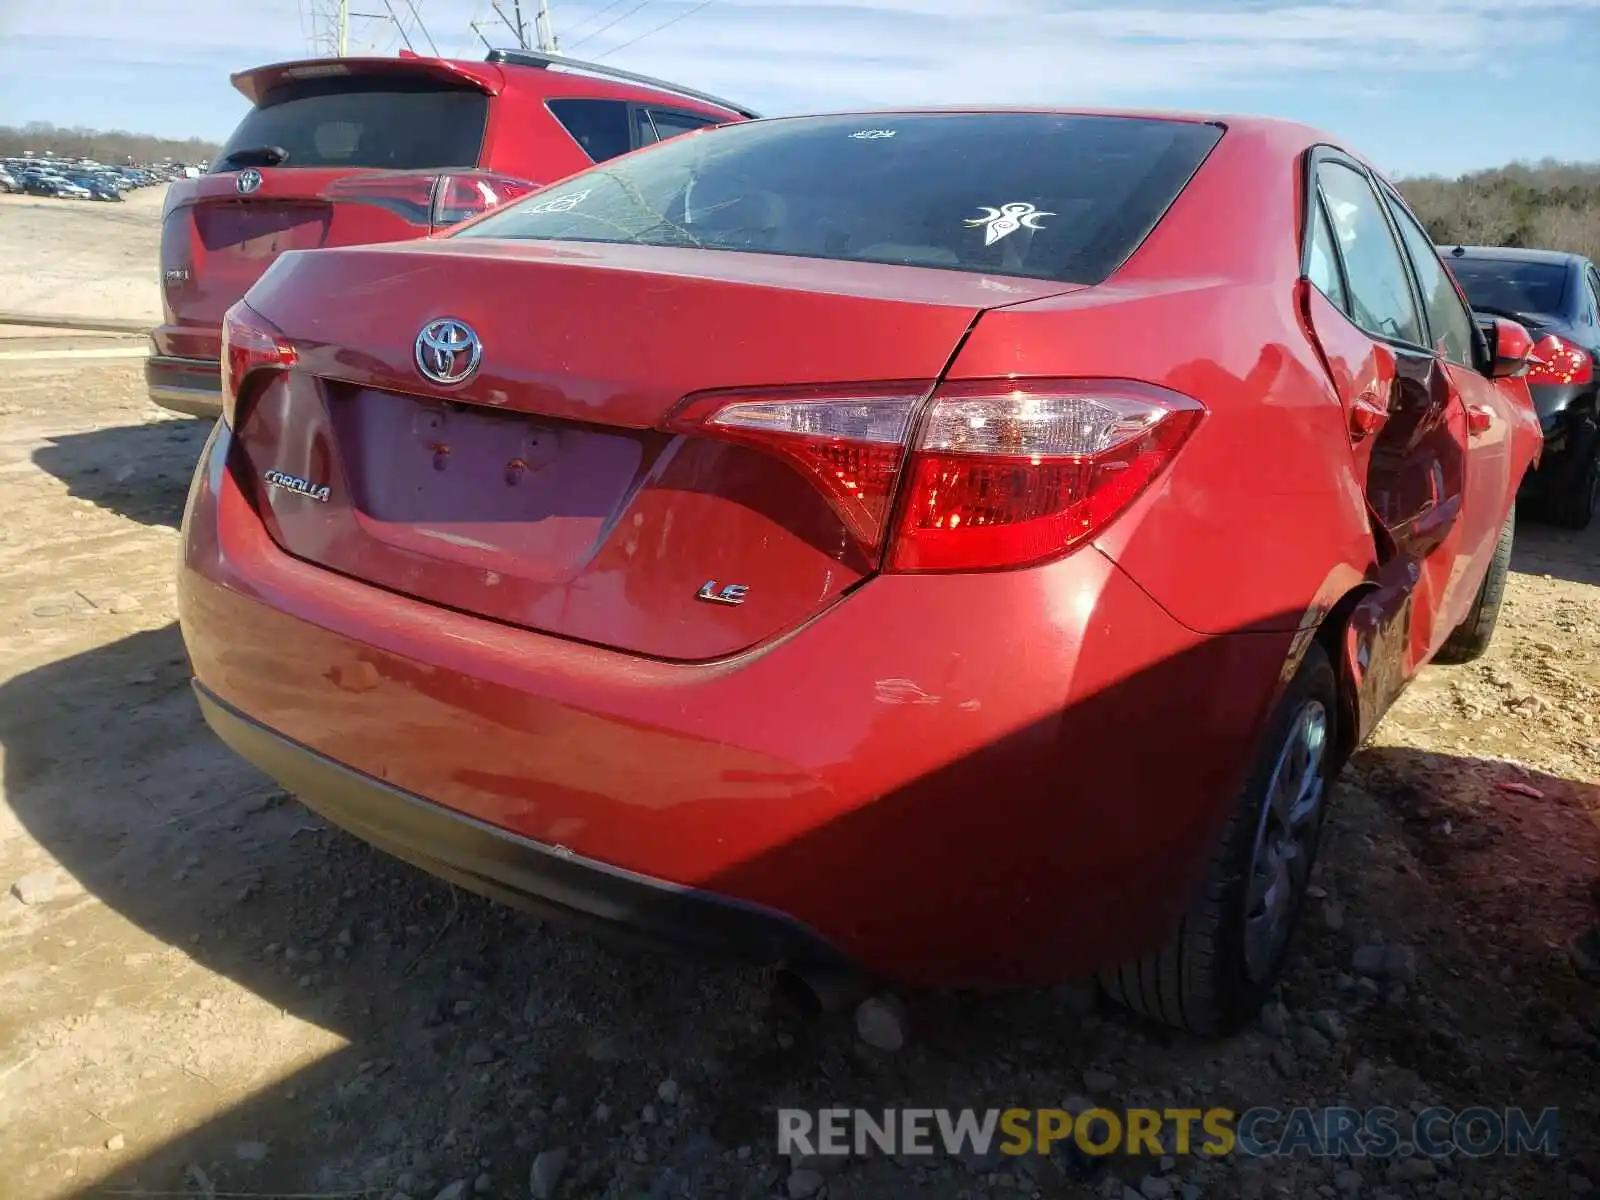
{"points": [[1512, 254]]}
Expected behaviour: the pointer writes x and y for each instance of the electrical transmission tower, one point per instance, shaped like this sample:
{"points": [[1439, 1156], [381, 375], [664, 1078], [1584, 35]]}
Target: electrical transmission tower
{"points": [[327, 26], [334, 29], [543, 32]]}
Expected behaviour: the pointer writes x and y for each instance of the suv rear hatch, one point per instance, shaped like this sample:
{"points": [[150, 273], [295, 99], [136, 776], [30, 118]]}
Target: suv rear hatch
{"points": [[332, 153]]}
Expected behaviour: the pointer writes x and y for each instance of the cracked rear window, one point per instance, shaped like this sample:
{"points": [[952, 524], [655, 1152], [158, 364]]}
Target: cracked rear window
{"points": [[1047, 196]]}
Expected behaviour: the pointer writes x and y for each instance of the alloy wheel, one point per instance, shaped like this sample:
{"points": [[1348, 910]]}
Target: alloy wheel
{"points": [[1285, 841]]}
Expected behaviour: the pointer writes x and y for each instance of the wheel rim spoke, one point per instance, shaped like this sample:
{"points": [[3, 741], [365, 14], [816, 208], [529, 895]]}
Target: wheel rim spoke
{"points": [[1285, 838]]}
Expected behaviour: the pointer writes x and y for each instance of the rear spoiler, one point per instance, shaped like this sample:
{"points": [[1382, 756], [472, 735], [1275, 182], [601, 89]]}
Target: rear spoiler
{"points": [[528, 58], [257, 82]]}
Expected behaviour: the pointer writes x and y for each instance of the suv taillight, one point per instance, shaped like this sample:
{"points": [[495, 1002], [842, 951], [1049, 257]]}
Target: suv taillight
{"points": [[1003, 473], [1558, 362], [431, 202], [458, 198], [249, 343]]}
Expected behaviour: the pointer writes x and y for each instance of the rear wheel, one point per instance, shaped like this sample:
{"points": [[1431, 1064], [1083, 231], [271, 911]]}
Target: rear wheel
{"points": [[1230, 948], [1472, 637], [1575, 507]]}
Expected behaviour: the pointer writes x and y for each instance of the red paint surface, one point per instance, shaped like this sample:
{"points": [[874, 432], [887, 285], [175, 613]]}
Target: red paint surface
{"points": [[961, 777]]}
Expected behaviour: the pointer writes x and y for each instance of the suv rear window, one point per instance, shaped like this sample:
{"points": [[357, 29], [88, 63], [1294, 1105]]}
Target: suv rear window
{"points": [[354, 122], [1049, 196], [1512, 286]]}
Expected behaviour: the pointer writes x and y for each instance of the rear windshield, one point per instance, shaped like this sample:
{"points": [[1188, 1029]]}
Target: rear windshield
{"points": [[1512, 286], [385, 123], [1048, 196]]}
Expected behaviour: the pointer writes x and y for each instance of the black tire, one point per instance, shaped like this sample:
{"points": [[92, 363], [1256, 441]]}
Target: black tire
{"points": [[1575, 507], [1202, 980], [1471, 638]]}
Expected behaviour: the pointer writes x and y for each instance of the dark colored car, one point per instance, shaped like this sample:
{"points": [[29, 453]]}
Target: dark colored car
{"points": [[959, 545], [1557, 297], [361, 150], [98, 187]]}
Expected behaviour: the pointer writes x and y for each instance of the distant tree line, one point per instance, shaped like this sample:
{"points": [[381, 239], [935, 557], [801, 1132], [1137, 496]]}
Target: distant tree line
{"points": [[114, 146], [1548, 206]]}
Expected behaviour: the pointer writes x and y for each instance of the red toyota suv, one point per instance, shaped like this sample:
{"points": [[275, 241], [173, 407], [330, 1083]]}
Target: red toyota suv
{"points": [[345, 151]]}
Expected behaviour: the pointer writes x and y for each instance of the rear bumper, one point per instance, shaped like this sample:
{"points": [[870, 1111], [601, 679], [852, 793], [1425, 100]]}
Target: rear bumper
{"points": [[513, 869], [1003, 778], [190, 386]]}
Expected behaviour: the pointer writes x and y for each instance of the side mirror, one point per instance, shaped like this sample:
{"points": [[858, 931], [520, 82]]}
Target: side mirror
{"points": [[1510, 348]]}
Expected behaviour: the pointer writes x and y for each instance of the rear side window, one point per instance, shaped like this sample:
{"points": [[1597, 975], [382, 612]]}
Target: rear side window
{"points": [[601, 127], [354, 122], [670, 122], [1447, 316], [1381, 300], [1050, 196], [1322, 262]]}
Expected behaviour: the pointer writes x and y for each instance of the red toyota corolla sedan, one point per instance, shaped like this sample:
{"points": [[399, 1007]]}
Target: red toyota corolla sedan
{"points": [[958, 546]]}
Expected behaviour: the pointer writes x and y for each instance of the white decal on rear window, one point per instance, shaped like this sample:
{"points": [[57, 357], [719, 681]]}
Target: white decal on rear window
{"points": [[873, 133], [561, 203], [1008, 218]]}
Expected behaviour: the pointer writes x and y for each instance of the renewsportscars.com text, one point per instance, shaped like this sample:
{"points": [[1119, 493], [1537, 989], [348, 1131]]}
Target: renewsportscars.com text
{"points": [[1212, 1132]]}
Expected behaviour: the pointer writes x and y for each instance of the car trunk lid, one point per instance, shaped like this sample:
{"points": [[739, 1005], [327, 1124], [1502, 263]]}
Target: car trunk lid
{"points": [[551, 490]]}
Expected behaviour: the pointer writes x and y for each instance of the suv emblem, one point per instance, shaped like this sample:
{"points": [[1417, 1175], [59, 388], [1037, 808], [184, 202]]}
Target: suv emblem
{"points": [[448, 351], [247, 181]]}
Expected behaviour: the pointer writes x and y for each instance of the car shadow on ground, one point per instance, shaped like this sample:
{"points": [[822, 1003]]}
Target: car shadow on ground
{"points": [[1543, 549], [475, 1036], [153, 465]]}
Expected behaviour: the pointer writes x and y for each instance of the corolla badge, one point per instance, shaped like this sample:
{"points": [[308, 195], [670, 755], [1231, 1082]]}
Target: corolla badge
{"points": [[247, 181], [300, 487], [448, 351]]}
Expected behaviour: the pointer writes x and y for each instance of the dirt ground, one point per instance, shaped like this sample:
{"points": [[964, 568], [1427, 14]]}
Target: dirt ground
{"points": [[206, 991], [82, 257]]}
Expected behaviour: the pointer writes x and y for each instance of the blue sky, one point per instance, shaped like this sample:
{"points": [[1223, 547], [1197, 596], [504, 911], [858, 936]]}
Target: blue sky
{"points": [[1420, 86]]}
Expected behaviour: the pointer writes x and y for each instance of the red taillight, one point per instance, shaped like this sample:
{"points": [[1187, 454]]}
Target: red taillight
{"points": [[1558, 362], [249, 343], [849, 441], [1004, 473], [1008, 473], [431, 202], [461, 197]]}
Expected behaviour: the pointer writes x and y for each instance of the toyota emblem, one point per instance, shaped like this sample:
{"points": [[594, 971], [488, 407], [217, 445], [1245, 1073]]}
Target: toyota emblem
{"points": [[448, 351], [248, 180]]}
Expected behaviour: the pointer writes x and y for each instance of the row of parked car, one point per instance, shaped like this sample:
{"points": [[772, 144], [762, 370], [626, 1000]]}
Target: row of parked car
{"points": [[961, 545], [73, 180]]}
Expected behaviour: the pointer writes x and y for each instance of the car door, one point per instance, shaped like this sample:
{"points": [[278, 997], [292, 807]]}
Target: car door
{"points": [[1407, 431], [1490, 414]]}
